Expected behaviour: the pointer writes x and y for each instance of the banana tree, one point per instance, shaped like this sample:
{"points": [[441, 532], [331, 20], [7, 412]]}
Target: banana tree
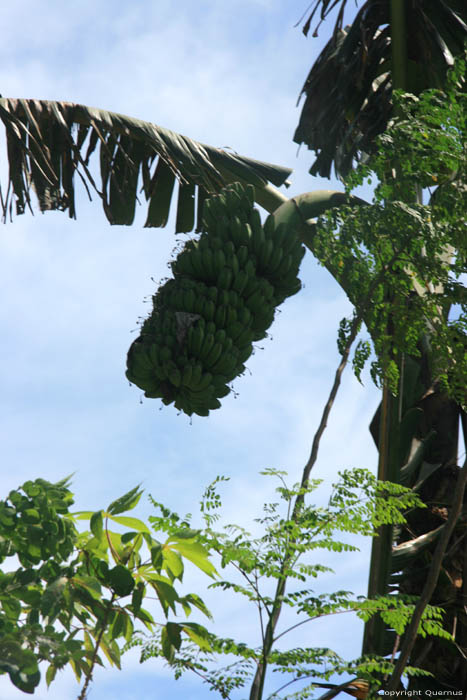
{"points": [[51, 144], [348, 92], [409, 46]]}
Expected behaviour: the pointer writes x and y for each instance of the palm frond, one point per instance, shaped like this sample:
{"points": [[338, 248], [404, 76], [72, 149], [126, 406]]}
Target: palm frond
{"points": [[348, 92], [50, 143]]}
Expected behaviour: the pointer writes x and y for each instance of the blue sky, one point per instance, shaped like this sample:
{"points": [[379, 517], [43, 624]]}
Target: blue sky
{"points": [[227, 74]]}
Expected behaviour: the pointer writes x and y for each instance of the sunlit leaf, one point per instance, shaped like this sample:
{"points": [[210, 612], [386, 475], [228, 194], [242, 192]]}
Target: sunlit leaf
{"points": [[130, 522], [166, 593], [112, 653], [172, 563], [197, 634], [126, 502], [196, 553], [50, 674], [88, 584], [97, 524], [145, 617]]}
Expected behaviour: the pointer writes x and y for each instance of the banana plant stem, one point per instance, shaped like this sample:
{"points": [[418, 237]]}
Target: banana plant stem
{"points": [[431, 581], [399, 44]]}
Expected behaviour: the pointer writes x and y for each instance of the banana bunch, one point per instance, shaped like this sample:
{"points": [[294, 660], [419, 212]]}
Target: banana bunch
{"points": [[225, 288]]}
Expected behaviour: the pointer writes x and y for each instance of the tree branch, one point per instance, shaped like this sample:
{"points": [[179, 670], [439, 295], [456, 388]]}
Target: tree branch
{"points": [[82, 695]]}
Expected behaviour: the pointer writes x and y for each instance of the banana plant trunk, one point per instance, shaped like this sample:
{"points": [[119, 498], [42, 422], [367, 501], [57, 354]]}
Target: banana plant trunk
{"points": [[424, 445], [417, 436]]}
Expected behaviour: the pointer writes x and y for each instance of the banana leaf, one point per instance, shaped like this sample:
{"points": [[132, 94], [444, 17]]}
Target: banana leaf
{"points": [[348, 92], [49, 143], [408, 472], [403, 554]]}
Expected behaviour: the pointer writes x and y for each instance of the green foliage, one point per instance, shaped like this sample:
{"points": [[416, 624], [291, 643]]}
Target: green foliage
{"points": [[402, 262], [286, 548], [78, 594]]}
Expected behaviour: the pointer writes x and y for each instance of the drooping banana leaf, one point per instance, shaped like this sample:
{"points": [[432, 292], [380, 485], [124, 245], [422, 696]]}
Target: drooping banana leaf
{"points": [[50, 143], [403, 553], [348, 92]]}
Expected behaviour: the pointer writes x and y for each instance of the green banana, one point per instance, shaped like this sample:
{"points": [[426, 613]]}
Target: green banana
{"points": [[219, 261], [201, 411], [284, 266], [139, 376], [244, 338], [257, 232], [270, 227], [222, 391], [189, 300], [183, 265], [225, 364], [234, 329], [234, 298], [195, 339], [212, 294], [197, 261], [175, 376], [231, 315], [203, 383], [187, 375], [223, 297], [244, 353], [291, 242], [209, 218], [225, 277], [220, 336], [220, 316], [240, 281], [297, 254], [229, 248], [206, 347], [255, 302], [154, 393], [196, 374], [275, 259], [242, 255], [247, 236], [266, 289], [234, 265], [264, 255], [209, 309], [252, 286], [154, 354], [250, 268], [245, 317], [236, 231], [213, 355], [208, 264]]}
